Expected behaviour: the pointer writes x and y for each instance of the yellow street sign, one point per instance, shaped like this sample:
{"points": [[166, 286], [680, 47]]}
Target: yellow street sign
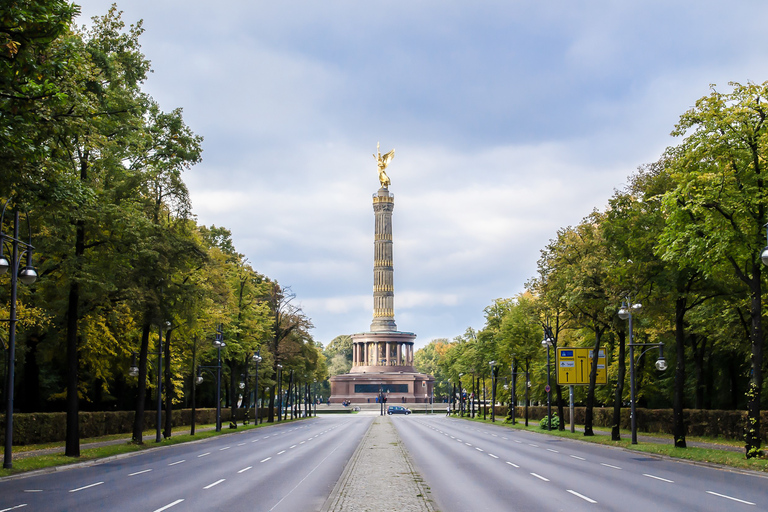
{"points": [[575, 363]]}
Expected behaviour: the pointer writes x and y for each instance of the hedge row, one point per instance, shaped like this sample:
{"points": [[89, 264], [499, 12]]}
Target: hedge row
{"points": [[699, 422], [51, 427]]}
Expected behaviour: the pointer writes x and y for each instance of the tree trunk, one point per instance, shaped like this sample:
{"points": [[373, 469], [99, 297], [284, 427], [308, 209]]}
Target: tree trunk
{"points": [[141, 393], [699, 347], [271, 412], [194, 385], [678, 423], [618, 397], [167, 385], [588, 416], [752, 436], [72, 448], [233, 392]]}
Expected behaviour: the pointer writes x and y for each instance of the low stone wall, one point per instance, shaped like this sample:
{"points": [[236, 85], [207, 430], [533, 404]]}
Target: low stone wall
{"points": [[699, 422], [51, 427]]}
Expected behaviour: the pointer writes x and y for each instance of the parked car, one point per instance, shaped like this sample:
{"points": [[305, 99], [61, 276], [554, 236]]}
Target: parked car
{"points": [[398, 409]]}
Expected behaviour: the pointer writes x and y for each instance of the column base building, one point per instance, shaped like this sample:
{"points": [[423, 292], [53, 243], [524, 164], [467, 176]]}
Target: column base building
{"points": [[382, 363]]}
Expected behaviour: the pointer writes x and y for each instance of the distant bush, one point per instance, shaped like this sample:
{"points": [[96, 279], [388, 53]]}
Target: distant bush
{"points": [[544, 423]]}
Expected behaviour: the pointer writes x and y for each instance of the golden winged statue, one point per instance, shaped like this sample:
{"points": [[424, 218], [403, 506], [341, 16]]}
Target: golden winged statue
{"points": [[383, 162]]}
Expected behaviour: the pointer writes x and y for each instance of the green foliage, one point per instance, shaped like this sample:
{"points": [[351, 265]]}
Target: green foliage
{"points": [[544, 423]]}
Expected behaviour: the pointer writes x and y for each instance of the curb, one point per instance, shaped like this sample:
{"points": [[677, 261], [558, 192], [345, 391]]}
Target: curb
{"points": [[342, 481]]}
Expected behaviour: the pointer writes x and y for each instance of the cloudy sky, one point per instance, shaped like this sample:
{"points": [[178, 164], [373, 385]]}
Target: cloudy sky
{"points": [[510, 119]]}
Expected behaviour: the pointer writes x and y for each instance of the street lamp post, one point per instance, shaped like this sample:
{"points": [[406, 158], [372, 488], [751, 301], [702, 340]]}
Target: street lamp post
{"points": [[547, 342], [279, 392], [159, 417], [218, 342], [461, 396], [625, 313], [27, 275], [493, 393], [257, 360]]}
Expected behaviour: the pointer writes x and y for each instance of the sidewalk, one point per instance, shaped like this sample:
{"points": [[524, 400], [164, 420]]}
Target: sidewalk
{"points": [[380, 476]]}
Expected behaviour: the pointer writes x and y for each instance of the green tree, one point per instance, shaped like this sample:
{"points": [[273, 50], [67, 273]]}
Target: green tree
{"points": [[717, 209]]}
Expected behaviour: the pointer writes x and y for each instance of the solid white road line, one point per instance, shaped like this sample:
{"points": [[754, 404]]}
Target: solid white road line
{"points": [[86, 487], [581, 496], [540, 477], [577, 457], [513, 465], [244, 470], [730, 497], [168, 506], [659, 478], [609, 466], [177, 462], [217, 482], [140, 472]]}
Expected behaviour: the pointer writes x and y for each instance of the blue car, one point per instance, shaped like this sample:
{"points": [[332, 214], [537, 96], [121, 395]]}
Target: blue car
{"points": [[398, 409]]}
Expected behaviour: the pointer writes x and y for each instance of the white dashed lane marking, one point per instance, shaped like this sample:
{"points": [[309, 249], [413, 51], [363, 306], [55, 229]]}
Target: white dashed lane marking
{"points": [[217, 482], [86, 487], [581, 496], [168, 506], [659, 478], [729, 497]]}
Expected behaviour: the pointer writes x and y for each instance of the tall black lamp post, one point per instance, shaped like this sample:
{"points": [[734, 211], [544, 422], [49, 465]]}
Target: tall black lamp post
{"points": [[26, 275], [218, 342], [279, 391], [547, 342], [625, 313], [493, 392]]}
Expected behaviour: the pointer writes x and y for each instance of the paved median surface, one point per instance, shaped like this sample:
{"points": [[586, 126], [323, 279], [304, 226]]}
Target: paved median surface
{"points": [[380, 476]]}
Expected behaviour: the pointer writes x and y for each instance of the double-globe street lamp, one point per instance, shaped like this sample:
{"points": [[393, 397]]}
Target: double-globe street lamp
{"points": [[256, 358], [493, 392], [625, 313], [218, 342], [26, 275], [548, 341]]}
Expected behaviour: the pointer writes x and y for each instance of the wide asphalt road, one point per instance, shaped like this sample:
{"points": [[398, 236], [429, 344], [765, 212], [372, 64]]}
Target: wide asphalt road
{"points": [[287, 467], [473, 467]]}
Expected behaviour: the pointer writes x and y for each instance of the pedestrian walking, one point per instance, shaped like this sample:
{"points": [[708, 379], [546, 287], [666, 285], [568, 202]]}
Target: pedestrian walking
{"points": [[448, 410]]}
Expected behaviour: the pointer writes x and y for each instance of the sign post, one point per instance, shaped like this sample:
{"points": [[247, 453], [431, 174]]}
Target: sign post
{"points": [[574, 365]]}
